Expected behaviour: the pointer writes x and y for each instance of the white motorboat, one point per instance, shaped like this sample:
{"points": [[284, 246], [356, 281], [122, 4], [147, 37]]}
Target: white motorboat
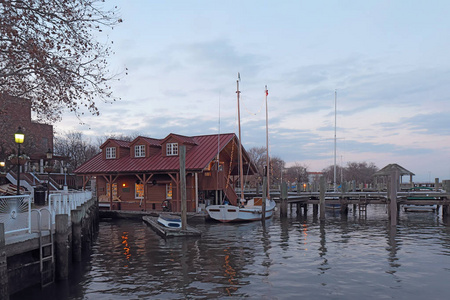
{"points": [[169, 221], [251, 211]]}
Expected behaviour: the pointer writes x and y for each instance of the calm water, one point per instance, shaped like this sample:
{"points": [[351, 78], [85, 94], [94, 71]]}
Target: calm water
{"points": [[349, 257]]}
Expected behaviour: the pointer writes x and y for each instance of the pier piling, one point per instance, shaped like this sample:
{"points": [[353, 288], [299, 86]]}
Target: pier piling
{"points": [[393, 209], [76, 217], [322, 198], [284, 202], [4, 291], [61, 249]]}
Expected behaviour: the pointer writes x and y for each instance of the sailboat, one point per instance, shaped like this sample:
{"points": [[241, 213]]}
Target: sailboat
{"points": [[252, 209], [334, 206]]}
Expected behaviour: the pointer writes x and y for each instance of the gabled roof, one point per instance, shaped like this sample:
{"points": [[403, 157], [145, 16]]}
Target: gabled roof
{"points": [[391, 168], [203, 151], [119, 143], [181, 138], [149, 141]]}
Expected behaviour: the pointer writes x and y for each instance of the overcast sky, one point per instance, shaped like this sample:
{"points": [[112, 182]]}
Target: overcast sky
{"points": [[388, 61]]}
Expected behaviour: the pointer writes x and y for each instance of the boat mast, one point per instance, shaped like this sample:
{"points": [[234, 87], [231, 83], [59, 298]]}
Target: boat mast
{"points": [[335, 105], [267, 148], [241, 168]]}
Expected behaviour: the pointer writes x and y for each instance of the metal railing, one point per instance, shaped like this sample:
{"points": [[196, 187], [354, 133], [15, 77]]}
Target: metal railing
{"points": [[65, 202], [16, 212]]}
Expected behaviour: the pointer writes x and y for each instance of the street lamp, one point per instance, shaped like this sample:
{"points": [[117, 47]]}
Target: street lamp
{"points": [[65, 181], [19, 137], [48, 169]]}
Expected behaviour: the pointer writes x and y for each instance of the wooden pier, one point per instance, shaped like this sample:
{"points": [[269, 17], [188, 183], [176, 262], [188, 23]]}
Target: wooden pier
{"points": [[46, 255]]}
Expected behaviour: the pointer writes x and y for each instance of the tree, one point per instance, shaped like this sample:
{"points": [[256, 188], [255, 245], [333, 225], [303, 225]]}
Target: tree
{"points": [[277, 169], [328, 173], [75, 148], [49, 54], [361, 172], [258, 157], [297, 173]]}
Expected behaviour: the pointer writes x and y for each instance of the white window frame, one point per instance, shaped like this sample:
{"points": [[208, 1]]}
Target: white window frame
{"points": [[136, 188], [139, 151], [171, 149], [110, 152], [169, 191]]}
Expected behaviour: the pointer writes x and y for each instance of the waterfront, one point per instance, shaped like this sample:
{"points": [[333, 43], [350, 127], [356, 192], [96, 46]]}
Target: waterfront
{"points": [[350, 257]]}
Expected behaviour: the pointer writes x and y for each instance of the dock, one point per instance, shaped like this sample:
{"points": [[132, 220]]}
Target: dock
{"points": [[170, 232]]}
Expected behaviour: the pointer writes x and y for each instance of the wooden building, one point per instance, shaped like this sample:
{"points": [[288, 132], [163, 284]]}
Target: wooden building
{"points": [[141, 174]]}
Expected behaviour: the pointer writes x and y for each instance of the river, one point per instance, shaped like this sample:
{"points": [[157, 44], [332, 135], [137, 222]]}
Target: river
{"points": [[345, 257]]}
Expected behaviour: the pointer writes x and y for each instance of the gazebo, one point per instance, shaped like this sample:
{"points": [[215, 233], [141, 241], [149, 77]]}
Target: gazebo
{"points": [[382, 175]]}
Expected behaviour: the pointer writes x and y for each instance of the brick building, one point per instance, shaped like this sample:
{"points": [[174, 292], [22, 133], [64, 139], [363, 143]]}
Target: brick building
{"points": [[14, 113]]}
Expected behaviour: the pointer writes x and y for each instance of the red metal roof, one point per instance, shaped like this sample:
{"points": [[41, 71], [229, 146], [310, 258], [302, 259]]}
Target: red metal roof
{"points": [[120, 143], [204, 150]]}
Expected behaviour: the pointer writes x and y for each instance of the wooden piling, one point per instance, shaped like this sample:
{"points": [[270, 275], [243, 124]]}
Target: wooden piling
{"points": [[183, 187], [76, 217], [4, 290], [322, 198], [393, 209], [284, 202], [315, 209], [61, 249]]}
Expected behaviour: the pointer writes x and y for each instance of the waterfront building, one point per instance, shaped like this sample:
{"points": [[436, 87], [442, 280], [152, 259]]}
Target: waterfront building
{"points": [[144, 174]]}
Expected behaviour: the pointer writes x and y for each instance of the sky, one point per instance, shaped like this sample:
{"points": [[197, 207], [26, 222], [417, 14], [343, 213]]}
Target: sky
{"points": [[382, 68]]}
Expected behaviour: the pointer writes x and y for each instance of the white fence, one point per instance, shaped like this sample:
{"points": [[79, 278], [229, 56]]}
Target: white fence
{"points": [[19, 218]]}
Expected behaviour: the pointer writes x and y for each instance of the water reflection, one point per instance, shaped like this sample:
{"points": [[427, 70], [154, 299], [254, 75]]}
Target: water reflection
{"points": [[339, 258], [323, 249], [393, 248]]}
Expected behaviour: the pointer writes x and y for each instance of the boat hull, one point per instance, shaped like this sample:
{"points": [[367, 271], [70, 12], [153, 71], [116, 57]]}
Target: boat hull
{"points": [[169, 221], [419, 208], [230, 213]]}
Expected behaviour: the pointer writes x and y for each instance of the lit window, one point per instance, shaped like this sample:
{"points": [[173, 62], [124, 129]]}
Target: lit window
{"points": [[172, 149], [139, 190], [110, 152], [114, 190], [169, 191], [139, 151]]}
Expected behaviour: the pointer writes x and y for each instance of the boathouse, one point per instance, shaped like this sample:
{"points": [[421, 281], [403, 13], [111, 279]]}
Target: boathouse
{"points": [[142, 174]]}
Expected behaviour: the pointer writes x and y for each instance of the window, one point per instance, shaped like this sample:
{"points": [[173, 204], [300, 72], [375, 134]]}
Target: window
{"points": [[139, 190], [110, 152], [172, 149], [114, 190], [139, 151], [169, 191]]}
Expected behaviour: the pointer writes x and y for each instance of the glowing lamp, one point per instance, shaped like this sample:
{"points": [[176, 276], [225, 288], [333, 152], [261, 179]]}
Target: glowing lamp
{"points": [[19, 136]]}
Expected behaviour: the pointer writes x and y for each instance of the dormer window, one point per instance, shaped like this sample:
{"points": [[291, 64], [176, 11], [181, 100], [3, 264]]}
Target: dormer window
{"points": [[139, 151], [110, 152], [172, 149]]}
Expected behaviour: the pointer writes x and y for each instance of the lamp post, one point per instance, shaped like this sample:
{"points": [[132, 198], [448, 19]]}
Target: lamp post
{"points": [[19, 137], [49, 169], [34, 175], [65, 181]]}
